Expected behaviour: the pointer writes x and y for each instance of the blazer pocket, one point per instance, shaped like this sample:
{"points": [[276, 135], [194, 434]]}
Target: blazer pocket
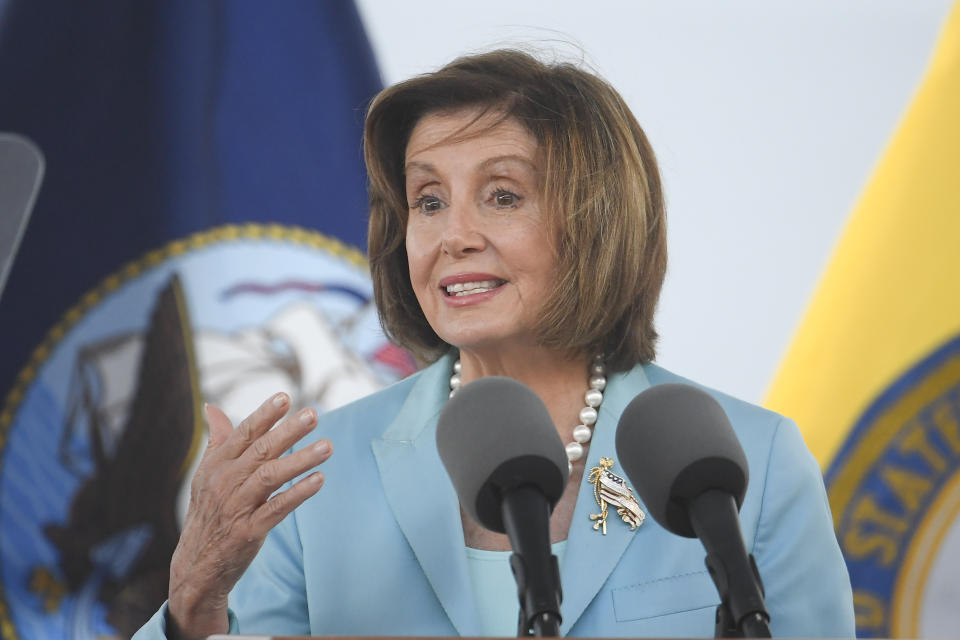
{"points": [[672, 594]]}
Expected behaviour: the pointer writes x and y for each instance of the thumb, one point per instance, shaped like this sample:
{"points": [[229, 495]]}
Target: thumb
{"points": [[220, 426]]}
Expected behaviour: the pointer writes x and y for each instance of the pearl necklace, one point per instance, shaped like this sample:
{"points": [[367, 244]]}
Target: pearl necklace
{"points": [[593, 398]]}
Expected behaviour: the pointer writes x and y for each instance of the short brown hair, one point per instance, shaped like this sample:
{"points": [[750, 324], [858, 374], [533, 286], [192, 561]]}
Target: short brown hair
{"points": [[601, 185]]}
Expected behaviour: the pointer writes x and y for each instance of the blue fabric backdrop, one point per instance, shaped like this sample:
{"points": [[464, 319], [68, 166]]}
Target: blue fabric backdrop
{"points": [[193, 130]]}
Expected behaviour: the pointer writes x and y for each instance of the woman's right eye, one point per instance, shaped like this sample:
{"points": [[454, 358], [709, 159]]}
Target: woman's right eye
{"points": [[428, 204]]}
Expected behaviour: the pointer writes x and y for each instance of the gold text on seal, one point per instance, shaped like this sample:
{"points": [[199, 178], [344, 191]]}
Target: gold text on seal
{"points": [[611, 489]]}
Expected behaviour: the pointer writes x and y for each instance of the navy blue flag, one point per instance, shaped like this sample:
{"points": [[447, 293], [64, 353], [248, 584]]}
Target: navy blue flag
{"points": [[196, 239]]}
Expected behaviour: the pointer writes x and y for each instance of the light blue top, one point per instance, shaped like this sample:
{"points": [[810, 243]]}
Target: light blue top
{"points": [[495, 589], [380, 549]]}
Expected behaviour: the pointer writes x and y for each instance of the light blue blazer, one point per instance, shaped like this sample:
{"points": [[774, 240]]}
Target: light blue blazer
{"points": [[380, 549]]}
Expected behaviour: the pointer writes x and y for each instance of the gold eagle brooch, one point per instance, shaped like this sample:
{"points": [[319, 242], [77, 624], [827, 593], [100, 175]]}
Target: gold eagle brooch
{"points": [[609, 489]]}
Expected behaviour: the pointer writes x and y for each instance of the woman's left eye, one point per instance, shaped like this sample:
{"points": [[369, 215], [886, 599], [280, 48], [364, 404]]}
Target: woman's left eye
{"points": [[504, 199]]}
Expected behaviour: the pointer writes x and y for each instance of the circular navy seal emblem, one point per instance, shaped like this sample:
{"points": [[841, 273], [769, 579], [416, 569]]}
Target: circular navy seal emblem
{"points": [[895, 493], [101, 433]]}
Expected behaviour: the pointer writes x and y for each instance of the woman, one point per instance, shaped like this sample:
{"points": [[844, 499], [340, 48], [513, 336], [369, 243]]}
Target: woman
{"points": [[517, 229]]}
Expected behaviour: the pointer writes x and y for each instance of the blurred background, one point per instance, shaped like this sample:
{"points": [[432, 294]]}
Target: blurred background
{"points": [[200, 224]]}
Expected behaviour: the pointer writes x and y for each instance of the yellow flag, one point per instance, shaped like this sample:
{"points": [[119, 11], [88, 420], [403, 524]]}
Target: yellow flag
{"points": [[873, 373]]}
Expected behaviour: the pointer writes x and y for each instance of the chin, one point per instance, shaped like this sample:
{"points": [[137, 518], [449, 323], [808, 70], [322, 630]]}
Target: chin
{"points": [[488, 341]]}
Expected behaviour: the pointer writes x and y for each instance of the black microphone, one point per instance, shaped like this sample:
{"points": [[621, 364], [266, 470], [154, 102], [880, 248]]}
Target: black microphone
{"points": [[678, 448], [509, 468]]}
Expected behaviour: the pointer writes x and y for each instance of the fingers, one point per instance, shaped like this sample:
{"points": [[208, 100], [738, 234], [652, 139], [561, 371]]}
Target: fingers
{"points": [[255, 425], [279, 506], [274, 443], [271, 475], [219, 423]]}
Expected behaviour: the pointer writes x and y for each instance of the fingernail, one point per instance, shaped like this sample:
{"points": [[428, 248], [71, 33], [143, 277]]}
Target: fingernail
{"points": [[279, 400], [322, 447], [306, 417]]}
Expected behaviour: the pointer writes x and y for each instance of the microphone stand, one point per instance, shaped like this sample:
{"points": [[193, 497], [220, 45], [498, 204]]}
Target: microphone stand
{"points": [[741, 612], [526, 518]]}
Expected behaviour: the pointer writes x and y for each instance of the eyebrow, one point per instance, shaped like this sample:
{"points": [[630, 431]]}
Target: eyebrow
{"points": [[426, 166], [510, 157]]}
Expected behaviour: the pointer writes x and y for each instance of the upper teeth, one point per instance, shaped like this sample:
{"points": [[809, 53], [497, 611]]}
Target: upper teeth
{"points": [[463, 288]]}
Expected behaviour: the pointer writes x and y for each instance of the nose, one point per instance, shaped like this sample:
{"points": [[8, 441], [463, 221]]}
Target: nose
{"points": [[462, 234]]}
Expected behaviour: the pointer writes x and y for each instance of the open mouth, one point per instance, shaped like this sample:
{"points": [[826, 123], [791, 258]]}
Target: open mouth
{"points": [[461, 289]]}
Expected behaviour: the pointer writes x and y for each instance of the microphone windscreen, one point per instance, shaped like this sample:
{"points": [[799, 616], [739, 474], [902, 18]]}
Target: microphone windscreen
{"points": [[493, 436], [675, 442]]}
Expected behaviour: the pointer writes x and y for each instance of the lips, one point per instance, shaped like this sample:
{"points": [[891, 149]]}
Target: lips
{"points": [[468, 288], [468, 284]]}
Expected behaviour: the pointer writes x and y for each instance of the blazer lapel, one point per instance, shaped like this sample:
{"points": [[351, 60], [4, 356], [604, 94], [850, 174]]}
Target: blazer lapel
{"points": [[590, 556], [423, 499]]}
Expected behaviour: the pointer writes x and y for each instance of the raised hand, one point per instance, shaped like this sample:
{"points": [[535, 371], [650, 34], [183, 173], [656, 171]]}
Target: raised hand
{"points": [[232, 508]]}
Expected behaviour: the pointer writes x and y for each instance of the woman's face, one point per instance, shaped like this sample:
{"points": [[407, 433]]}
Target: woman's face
{"points": [[480, 249]]}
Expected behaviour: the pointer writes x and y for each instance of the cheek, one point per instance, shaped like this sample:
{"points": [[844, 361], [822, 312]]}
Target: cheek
{"points": [[535, 248], [417, 259], [542, 269]]}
